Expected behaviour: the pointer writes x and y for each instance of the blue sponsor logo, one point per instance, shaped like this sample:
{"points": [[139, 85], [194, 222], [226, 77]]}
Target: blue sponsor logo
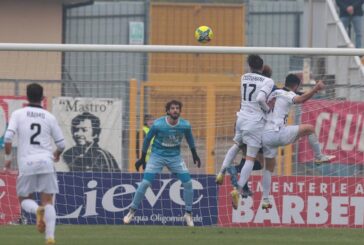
{"points": [[104, 198]]}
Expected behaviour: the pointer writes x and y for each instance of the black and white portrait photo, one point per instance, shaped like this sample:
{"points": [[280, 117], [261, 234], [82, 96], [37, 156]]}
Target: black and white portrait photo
{"points": [[92, 129], [87, 155]]}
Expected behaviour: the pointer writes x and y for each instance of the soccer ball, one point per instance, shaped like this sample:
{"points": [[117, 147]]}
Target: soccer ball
{"points": [[203, 34]]}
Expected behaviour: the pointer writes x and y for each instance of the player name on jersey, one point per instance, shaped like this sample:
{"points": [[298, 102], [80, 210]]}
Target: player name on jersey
{"points": [[35, 114], [249, 77]]}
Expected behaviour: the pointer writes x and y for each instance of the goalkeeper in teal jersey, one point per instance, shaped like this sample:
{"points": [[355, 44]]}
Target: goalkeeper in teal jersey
{"points": [[168, 132]]}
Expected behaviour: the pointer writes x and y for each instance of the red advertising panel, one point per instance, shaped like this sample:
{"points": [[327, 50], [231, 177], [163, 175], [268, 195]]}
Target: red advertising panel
{"points": [[339, 126], [300, 201], [9, 204]]}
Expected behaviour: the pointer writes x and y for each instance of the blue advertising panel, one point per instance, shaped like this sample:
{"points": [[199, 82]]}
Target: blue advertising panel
{"points": [[104, 198]]}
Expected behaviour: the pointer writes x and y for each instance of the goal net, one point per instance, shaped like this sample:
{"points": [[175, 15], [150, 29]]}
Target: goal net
{"points": [[112, 91]]}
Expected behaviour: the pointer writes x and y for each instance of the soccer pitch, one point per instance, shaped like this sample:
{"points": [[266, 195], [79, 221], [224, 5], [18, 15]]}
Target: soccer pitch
{"points": [[121, 234]]}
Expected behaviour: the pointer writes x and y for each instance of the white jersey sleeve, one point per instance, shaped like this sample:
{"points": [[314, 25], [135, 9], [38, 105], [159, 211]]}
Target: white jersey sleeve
{"points": [[57, 135], [273, 95], [290, 97], [12, 128], [268, 87]]}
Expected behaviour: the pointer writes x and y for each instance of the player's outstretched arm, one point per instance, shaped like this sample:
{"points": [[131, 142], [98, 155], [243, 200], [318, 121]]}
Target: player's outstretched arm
{"points": [[306, 96]]}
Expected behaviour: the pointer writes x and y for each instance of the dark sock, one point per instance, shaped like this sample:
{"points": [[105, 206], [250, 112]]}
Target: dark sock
{"points": [[257, 165], [246, 187]]}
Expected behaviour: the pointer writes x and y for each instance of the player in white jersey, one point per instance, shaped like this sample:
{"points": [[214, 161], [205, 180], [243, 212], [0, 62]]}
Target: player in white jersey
{"points": [[258, 163], [255, 89], [277, 133], [36, 129]]}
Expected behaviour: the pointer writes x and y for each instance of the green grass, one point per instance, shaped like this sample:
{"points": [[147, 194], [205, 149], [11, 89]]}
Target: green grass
{"points": [[121, 234]]}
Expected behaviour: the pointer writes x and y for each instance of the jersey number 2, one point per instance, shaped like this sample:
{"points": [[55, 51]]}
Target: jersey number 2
{"points": [[36, 127], [253, 88]]}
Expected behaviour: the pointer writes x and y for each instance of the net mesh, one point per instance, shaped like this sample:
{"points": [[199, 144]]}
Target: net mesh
{"points": [[96, 187]]}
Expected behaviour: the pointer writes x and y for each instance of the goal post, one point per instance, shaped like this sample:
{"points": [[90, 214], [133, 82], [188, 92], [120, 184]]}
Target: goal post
{"points": [[119, 87]]}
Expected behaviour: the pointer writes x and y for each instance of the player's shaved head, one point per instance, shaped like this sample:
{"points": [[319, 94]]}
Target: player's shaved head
{"points": [[34, 93], [255, 62], [292, 80], [267, 71]]}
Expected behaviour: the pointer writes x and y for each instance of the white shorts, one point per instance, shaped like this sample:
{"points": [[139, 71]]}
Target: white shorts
{"points": [[249, 133], [273, 139], [28, 184]]}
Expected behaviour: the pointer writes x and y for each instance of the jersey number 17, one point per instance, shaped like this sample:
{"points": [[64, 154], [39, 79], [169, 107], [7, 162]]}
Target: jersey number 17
{"points": [[252, 87]]}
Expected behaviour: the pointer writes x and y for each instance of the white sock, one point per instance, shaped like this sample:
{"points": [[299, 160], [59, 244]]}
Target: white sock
{"points": [[50, 220], [29, 205], [229, 157], [245, 173], [266, 182], [315, 145]]}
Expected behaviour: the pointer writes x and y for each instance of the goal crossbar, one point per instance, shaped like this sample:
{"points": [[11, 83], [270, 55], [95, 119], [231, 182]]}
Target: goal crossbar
{"points": [[180, 49]]}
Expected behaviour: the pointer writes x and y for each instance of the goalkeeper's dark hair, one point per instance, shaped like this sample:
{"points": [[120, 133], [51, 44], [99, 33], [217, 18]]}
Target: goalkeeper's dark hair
{"points": [[255, 62], [34, 93], [292, 80], [174, 102]]}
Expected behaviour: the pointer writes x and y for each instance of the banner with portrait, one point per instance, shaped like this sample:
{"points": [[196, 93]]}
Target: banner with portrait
{"points": [[93, 133]]}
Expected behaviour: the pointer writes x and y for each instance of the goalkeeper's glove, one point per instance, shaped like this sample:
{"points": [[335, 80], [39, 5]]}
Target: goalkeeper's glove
{"points": [[141, 162], [196, 159]]}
